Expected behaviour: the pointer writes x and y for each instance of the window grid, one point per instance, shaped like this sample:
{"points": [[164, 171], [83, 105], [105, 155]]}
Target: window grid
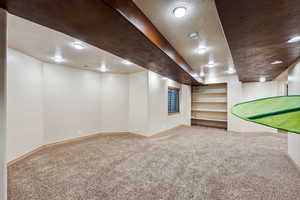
{"points": [[173, 100]]}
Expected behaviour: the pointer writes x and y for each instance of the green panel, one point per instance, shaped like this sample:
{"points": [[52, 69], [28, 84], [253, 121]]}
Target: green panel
{"points": [[277, 112]]}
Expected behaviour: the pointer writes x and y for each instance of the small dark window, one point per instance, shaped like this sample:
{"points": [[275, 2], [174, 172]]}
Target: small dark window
{"points": [[173, 100]]}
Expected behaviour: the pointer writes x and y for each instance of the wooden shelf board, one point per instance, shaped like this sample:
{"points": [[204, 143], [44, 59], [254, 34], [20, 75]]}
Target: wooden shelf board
{"points": [[209, 119], [209, 101], [209, 110], [204, 93]]}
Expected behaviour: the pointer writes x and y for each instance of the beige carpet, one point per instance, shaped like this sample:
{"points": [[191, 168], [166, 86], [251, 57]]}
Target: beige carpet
{"points": [[187, 163]]}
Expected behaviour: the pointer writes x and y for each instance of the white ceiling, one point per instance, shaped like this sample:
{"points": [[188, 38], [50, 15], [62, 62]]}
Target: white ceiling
{"points": [[43, 43], [201, 17]]}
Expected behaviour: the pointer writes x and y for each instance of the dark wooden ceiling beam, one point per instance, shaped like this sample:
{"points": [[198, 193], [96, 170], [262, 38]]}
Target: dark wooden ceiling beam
{"points": [[134, 15], [257, 32], [108, 25]]}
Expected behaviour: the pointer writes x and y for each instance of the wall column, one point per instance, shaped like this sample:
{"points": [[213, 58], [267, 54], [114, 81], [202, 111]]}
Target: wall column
{"points": [[3, 48], [294, 89]]}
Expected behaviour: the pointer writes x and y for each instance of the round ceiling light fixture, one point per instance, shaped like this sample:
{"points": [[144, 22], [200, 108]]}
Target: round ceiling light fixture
{"points": [[276, 62], [58, 59], [103, 68], [294, 39], [230, 71], [262, 79], [195, 75], [193, 35], [202, 74], [179, 12], [201, 50], [78, 45], [211, 63], [126, 62]]}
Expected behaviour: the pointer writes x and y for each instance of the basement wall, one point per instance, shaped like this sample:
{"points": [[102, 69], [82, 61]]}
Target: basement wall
{"points": [[294, 89], [51, 103], [3, 100]]}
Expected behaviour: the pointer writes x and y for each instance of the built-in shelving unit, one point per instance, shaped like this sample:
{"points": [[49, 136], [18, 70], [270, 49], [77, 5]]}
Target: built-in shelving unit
{"points": [[209, 105]]}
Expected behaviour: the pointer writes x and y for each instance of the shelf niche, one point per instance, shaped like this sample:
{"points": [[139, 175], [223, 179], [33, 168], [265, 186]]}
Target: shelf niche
{"points": [[209, 105]]}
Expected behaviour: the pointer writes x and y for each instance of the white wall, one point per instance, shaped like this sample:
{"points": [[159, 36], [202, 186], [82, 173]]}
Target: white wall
{"points": [[234, 96], [72, 103], [159, 119], [3, 131], [138, 102], [294, 89], [252, 91], [115, 103], [49, 103], [24, 104], [149, 104]]}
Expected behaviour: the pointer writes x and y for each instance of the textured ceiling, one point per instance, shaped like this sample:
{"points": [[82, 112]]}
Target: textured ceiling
{"points": [[257, 32]]}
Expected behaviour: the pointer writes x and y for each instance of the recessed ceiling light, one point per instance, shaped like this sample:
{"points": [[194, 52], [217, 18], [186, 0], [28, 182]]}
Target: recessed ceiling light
{"points": [[262, 79], [201, 50], [58, 59], [78, 45], [211, 63], [276, 62], [202, 74], [193, 35], [103, 68], [179, 12], [164, 78], [126, 62], [294, 39], [230, 71], [195, 75]]}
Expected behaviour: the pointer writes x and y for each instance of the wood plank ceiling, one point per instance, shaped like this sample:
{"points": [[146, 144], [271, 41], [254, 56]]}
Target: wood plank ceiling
{"points": [[118, 27], [257, 32]]}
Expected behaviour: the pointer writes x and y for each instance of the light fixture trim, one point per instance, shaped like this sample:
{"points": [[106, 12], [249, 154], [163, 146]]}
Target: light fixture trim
{"points": [[276, 62], [179, 11]]}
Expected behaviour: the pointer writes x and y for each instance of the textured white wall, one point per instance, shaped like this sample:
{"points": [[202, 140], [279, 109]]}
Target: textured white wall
{"points": [[294, 89]]}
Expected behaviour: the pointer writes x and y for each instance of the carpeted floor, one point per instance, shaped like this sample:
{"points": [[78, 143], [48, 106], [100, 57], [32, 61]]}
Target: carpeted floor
{"points": [[186, 163]]}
